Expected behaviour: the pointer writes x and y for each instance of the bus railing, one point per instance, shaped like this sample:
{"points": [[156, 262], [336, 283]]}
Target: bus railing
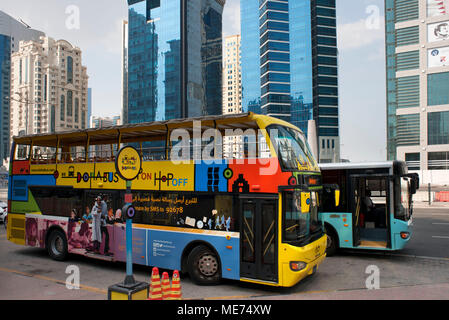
{"points": [[227, 150]]}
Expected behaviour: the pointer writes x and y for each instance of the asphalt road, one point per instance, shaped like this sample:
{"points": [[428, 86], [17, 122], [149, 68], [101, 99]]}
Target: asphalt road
{"points": [[421, 271]]}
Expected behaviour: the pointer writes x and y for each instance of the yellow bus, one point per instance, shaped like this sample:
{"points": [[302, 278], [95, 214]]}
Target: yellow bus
{"points": [[232, 197]]}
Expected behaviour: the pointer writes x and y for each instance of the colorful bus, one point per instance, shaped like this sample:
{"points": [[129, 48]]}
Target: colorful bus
{"points": [[376, 206], [248, 212]]}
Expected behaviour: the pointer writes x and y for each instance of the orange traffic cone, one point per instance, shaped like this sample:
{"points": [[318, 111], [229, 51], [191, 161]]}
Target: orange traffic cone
{"points": [[155, 286], [165, 286], [176, 286]]}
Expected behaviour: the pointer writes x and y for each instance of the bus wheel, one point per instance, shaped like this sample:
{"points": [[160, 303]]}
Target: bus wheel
{"points": [[57, 245], [203, 266], [332, 242]]}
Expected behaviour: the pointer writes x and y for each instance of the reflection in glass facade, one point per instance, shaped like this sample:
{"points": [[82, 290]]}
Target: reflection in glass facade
{"points": [[289, 62], [390, 40], [174, 59]]}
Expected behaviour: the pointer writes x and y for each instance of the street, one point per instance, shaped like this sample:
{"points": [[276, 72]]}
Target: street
{"points": [[422, 269]]}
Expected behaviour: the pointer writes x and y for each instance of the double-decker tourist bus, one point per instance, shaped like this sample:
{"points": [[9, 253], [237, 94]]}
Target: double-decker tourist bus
{"points": [[232, 197], [376, 205]]}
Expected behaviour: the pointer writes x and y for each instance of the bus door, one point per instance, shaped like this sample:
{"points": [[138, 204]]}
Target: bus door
{"points": [[370, 207], [258, 249]]}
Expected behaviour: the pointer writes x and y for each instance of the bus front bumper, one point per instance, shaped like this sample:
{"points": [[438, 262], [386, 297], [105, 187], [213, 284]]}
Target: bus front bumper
{"points": [[310, 258]]}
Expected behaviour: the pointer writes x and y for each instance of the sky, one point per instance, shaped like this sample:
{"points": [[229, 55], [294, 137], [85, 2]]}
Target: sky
{"points": [[360, 28]]}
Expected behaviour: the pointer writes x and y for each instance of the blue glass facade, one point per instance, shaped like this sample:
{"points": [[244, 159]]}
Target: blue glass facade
{"points": [[289, 61], [174, 59], [250, 56], [5, 75], [390, 39]]}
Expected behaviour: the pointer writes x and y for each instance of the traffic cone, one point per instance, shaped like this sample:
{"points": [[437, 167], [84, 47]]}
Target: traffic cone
{"points": [[155, 286], [165, 286], [176, 286]]}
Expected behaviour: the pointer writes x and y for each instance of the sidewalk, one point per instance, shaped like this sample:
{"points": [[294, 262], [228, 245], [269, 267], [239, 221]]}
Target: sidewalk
{"points": [[421, 204]]}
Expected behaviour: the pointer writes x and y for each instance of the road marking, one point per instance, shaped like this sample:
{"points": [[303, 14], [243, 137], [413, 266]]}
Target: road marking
{"points": [[392, 254], [83, 287], [440, 237]]}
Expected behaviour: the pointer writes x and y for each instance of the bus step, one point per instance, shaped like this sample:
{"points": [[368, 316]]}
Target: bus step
{"points": [[99, 256]]}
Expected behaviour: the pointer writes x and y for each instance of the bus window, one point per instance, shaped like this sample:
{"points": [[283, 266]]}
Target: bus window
{"points": [[402, 198], [299, 225], [292, 148], [58, 201], [209, 212], [22, 152]]}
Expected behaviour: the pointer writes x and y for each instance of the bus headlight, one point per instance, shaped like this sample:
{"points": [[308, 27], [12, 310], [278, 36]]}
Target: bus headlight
{"points": [[405, 235], [297, 265]]}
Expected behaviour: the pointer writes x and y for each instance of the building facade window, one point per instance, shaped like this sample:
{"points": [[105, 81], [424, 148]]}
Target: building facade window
{"points": [[62, 108], [408, 133], [69, 69], [438, 127], [413, 161], [438, 160], [69, 103], [77, 109], [437, 89]]}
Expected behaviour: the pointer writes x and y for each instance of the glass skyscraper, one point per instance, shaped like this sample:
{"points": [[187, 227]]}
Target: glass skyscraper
{"points": [[289, 65], [174, 59]]}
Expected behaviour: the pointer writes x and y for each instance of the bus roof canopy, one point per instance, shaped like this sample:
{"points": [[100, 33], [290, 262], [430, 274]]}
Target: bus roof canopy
{"points": [[399, 167], [147, 131]]}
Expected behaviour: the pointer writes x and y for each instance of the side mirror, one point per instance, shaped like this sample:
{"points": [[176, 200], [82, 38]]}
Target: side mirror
{"points": [[414, 182], [337, 197]]}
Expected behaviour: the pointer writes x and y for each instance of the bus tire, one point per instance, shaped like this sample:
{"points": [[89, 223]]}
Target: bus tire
{"points": [[203, 266], [57, 245], [332, 241]]}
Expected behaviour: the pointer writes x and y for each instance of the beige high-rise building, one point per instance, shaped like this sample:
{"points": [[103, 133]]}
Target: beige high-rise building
{"points": [[232, 76], [232, 90], [49, 88]]}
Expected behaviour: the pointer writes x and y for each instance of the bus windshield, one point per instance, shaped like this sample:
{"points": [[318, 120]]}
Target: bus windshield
{"points": [[402, 199], [299, 226], [292, 148]]}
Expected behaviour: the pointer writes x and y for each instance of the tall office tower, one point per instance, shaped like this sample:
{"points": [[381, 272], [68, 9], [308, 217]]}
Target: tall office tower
{"points": [[49, 88], [11, 32], [289, 65], [232, 76], [417, 48], [125, 71], [174, 59], [232, 90]]}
